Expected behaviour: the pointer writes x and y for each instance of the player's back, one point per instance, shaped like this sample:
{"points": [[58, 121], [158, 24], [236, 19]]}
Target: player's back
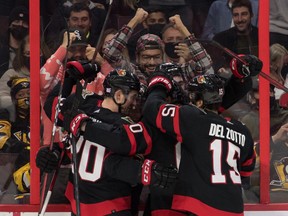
{"points": [[165, 150], [212, 152], [98, 191]]}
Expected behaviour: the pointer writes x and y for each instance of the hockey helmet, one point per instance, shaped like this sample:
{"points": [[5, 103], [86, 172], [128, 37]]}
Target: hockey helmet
{"points": [[120, 79], [179, 94], [170, 69], [211, 87]]}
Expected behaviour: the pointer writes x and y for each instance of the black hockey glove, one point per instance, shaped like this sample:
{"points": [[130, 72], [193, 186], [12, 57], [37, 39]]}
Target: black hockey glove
{"points": [[160, 79], [79, 70], [47, 160], [68, 85], [154, 174], [240, 70], [73, 119]]}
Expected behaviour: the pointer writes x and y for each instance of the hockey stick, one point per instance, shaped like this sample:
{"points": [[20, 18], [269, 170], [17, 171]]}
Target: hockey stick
{"points": [[57, 110], [51, 186], [45, 203], [75, 105], [234, 55], [102, 32]]}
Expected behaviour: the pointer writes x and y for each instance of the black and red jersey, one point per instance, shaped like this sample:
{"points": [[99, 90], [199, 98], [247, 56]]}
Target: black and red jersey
{"points": [[167, 149], [102, 190], [215, 153]]}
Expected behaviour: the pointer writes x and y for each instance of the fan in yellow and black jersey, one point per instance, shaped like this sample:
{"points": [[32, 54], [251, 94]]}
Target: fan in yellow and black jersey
{"points": [[15, 135]]}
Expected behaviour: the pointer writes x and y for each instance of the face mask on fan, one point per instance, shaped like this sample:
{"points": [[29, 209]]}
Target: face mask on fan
{"points": [[18, 32], [156, 29]]}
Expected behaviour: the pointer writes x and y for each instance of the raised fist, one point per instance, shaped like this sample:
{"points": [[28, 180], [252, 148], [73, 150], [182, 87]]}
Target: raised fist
{"points": [[160, 79], [79, 70], [252, 68]]}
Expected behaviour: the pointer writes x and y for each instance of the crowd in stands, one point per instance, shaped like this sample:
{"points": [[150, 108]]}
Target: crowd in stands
{"points": [[138, 37]]}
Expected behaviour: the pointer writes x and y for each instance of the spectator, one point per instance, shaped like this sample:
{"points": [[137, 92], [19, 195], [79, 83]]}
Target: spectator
{"points": [[15, 137], [178, 48], [153, 24], [171, 37], [251, 119], [278, 165], [18, 29], [170, 8], [81, 16], [279, 22], [243, 37], [240, 39], [52, 71], [150, 49], [20, 68], [219, 17], [107, 37], [278, 66], [105, 66]]}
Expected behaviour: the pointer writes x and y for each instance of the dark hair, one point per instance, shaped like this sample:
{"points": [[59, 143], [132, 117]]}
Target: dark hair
{"points": [[78, 7], [242, 3], [155, 9], [19, 60], [105, 33]]}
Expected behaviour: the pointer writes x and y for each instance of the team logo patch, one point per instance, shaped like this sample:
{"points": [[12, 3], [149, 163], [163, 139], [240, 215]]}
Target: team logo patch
{"points": [[86, 93], [24, 84], [201, 79], [121, 72], [78, 35]]}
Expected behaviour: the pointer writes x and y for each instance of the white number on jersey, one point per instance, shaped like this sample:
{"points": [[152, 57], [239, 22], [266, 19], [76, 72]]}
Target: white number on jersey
{"points": [[231, 158], [85, 158]]}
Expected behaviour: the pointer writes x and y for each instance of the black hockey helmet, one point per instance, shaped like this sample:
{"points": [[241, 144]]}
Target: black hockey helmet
{"points": [[170, 68], [120, 79], [211, 87], [179, 94]]}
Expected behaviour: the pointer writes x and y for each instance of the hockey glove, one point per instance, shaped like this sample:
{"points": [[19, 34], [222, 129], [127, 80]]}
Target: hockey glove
{"points": [[79, 70], [252, 68], [154, 174], [47, 160], [73, 119], [160, 79]]}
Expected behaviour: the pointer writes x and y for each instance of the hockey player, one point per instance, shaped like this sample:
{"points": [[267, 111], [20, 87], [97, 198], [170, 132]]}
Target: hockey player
{"points": [[165, 148], [100, 190], [211, 186]]}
